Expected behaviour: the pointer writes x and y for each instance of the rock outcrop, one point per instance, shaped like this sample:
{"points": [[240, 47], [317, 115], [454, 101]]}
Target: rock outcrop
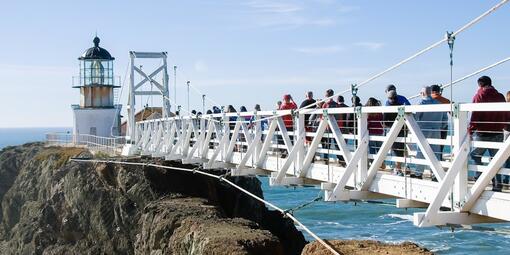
{"points": [[365, 247], [50, 205]]}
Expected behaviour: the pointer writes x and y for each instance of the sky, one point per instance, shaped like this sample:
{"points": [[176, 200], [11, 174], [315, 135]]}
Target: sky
{"points": [[243, 52]]}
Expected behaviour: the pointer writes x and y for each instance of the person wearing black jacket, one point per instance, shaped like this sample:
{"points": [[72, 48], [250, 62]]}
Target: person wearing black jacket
{"points": [[388, 119], [351, 117], [308, 101], [342, 118]]}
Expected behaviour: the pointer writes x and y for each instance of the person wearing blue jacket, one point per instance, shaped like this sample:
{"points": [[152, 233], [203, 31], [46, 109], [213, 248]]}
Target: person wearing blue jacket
{"points": [[401, 100], [430, 123]]}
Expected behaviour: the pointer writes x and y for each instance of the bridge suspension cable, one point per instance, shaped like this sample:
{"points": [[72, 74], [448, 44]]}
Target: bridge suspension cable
{"points": [[470, 75], [193, 87], [221, 179], [419, 53], [395, 66]]}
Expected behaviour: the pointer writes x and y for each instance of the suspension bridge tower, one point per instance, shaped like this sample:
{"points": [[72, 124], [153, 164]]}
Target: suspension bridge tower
{"points": [[97, 114]]}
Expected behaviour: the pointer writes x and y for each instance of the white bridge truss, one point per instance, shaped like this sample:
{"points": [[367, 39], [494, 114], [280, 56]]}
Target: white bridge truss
{"points": [[248, 146], [137, 89]]}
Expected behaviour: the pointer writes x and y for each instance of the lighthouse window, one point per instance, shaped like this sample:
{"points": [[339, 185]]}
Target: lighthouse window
{"points": [[97, 72]]}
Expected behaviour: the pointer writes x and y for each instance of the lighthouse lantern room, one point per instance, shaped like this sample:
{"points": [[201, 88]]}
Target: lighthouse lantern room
{"points": [[97, 114]]}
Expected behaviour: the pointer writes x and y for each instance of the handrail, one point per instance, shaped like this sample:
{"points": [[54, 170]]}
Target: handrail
{"points": [[331, 151], [471, 107]]}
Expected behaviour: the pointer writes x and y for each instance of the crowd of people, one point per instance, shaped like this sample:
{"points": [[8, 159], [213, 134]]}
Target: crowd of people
{"points": [[483, 126]]}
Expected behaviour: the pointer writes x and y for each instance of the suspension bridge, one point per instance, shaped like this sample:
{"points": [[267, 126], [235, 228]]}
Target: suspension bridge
{"points": [[344, 159]]}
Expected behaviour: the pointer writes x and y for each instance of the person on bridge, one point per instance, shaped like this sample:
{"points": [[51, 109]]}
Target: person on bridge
{"points": [[388, 120], [231, 119], [315, 119], [401, 100], [430, 124], [330, 143], [263, 123], [375, 127], [243, 109], [342, 118], [351, 117], [308, 101], [256, 108], [437, 95], [487, 126], [278, 105], [288, 104]]}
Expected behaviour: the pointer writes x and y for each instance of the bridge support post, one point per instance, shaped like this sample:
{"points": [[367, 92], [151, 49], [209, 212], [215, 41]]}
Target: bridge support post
{"points": [[459, 132], [409, 203], [362, 120], [258, 133], [451, 218], [300, 132], [137, 90]]}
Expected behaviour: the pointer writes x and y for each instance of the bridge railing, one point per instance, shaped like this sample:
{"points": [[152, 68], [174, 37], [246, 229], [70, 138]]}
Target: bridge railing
{"points": [[109, 145], [345, 151]]}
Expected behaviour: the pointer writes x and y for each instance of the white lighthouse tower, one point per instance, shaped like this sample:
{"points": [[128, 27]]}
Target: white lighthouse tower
{"points": [[96, 114]]}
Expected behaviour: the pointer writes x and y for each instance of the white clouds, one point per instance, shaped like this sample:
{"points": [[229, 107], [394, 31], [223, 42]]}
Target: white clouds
{"points": [[273, 7], [373, 46], [289, 22], [284, 15]]}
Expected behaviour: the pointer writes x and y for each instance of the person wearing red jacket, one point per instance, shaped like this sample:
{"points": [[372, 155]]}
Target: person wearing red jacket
{"points": [[287, 104], [487, 126], [375, 127]]}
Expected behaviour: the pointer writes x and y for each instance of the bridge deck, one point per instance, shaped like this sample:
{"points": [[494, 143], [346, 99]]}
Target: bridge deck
{"points": [[385, 185], [254, 142]]}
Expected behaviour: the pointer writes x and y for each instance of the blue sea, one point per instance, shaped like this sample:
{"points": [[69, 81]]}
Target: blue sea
{"points": [[381, 222], [17, 136]]}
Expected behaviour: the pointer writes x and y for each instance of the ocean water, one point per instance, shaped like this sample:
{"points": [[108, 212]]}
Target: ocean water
{"points": [[381, 222], [17, 136]]}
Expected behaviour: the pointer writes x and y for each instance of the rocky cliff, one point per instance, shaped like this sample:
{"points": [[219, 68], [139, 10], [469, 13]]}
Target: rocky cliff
{"points": [[52, 206]]}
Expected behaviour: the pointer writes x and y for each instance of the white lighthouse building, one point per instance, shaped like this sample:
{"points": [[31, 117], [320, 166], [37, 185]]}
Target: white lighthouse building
{"points": [[96, 114]]}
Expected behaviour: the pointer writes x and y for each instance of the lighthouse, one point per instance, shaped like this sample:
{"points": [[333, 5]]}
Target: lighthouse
{"points": [[97, 114]]}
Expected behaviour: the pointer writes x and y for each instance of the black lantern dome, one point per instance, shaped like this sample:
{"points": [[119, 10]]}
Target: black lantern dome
{"points": [[96, 67], [96, 52], [96, 80]]}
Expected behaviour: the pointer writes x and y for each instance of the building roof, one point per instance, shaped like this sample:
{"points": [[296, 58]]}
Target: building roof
{"points": [[147, 113], [96, 52]]}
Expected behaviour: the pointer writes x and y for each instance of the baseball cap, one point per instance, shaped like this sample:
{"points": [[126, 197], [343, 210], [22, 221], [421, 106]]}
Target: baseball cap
{"points": [[391, 87], [435, 88]]}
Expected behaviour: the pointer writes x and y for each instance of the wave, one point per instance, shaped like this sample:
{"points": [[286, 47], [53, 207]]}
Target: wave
{"points": [[396, 222], [337, 224], [406, 217]]}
